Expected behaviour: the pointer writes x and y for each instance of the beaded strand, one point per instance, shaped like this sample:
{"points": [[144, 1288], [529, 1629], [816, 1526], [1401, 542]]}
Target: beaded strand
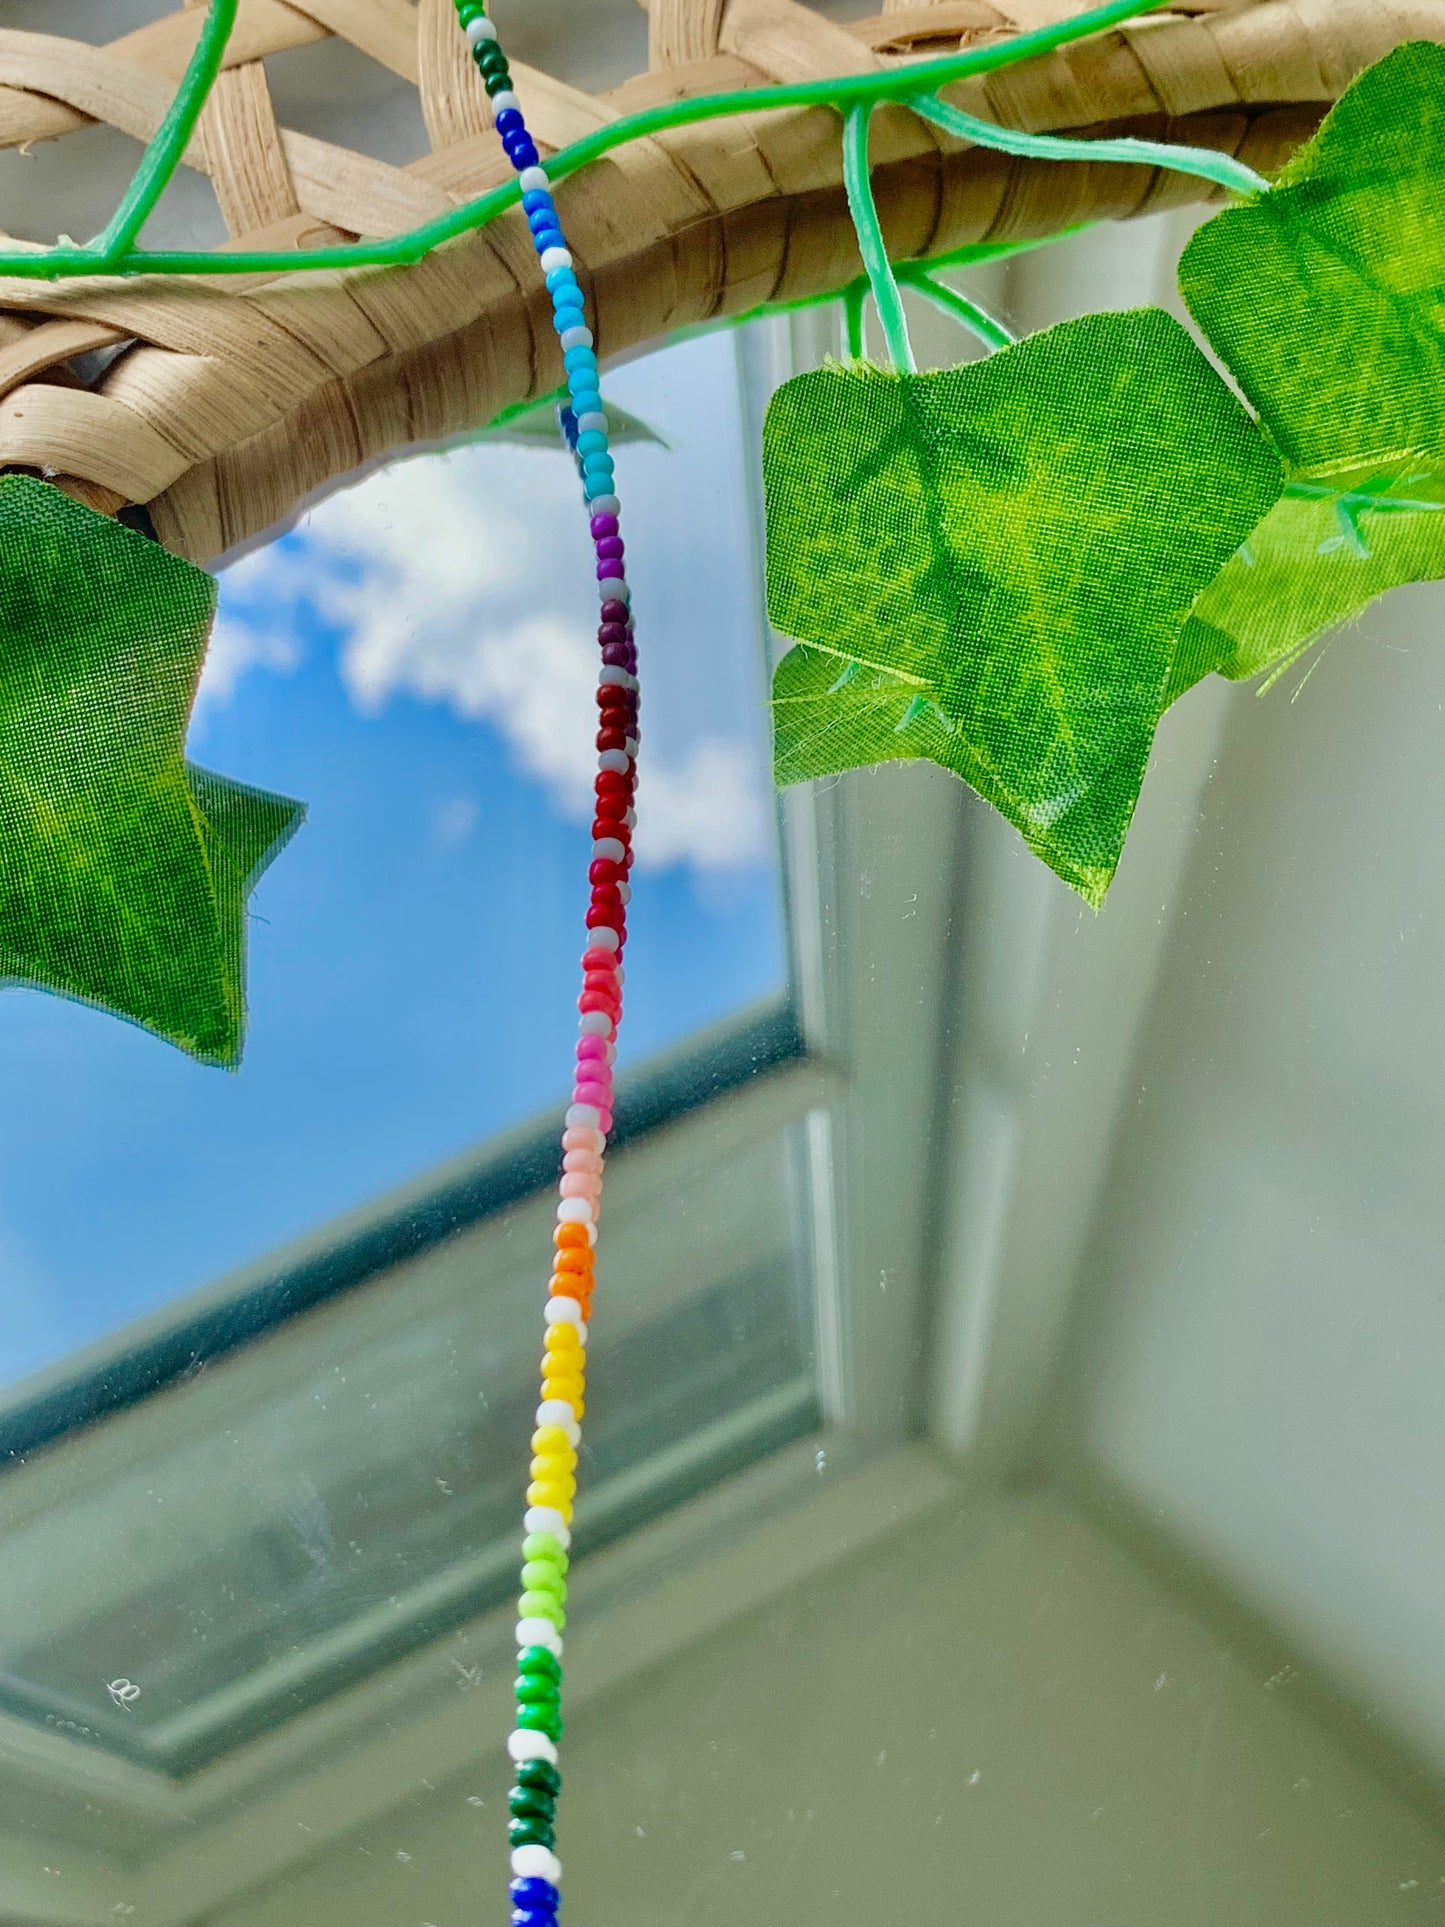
{"points": [[541, 1609]]}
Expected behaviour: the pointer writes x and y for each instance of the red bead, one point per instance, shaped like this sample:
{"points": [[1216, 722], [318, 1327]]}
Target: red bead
{"points": [[615, 717], [607, 917], [611, 809], [612, 739], [597, 1000], [596, 958], [602, 869], [613, 782]]}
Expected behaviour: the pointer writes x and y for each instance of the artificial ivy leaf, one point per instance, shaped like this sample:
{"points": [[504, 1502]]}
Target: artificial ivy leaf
{"points": [[1323, 553], [125, 871], [1020, 541], [1325, 297]]}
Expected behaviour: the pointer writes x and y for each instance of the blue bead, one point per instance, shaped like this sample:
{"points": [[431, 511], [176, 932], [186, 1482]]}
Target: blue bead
{"points": [[576, 358], [537, 198], [534, 1917], [542, 217], [568, 297], [574, 315], [561, 278], [510, 121], [548, 237], [533, 1891], [523, 153]]}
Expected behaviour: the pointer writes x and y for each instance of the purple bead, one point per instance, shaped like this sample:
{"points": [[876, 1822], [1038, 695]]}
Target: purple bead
{"points": [[609, 567], [612, 632], [610, 547], [604, 525], [614, 610], [616, 653]]}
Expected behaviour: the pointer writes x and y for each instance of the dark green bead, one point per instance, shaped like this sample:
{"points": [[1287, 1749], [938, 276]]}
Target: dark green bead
{"points": [[487, 54], [536, 1659], [499, 83], [531, 1833], [539, 1773], [523, 1800]]}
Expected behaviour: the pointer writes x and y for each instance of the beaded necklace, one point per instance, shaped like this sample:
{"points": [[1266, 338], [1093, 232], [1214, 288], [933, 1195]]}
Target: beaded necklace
{"points": [[541, 1614]]}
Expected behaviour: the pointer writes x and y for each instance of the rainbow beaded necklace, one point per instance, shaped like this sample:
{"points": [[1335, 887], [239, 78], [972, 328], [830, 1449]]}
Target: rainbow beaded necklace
{"points": [[536, 1870]]}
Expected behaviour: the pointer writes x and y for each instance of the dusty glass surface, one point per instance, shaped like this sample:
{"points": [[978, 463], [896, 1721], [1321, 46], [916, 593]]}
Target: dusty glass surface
{"points": [[1012, 1481]]}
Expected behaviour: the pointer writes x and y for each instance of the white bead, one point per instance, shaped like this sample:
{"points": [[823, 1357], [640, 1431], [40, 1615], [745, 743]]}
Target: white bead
{"points": [[595, 418], [578, 337], [613, 588], [621, 976], [479, 30], [533, 180], [634, 743], [546, 1518], [631, 821], [577, 1210], [609, 940], [525, 1744], [555, 258], [613, 675], [605, 505], [537, 1863], [562, 1311], [624, 890], [556, 1411], [502, 101], [596, 1023], [587, 1114], [611, 849], [620, 761]]}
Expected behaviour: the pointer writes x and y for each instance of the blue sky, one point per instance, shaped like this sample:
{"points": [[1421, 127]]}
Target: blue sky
{"points": [[416, 662]]}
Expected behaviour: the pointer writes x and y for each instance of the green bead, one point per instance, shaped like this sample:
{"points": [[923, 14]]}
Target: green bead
{"points": [[487, 53], [470, 10], [539, 1660], [542, 1545], [539, 1773], [499, 83], [542, 1605], [536, 1692], [540, 1575], [531, 1833], [545, 1720], [523, 1800]]}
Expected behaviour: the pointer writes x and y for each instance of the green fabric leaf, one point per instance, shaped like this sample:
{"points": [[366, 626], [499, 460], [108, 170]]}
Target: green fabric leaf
{"points": [[1326, 298], [1019, 541], [125, 870], [1320, 557]]}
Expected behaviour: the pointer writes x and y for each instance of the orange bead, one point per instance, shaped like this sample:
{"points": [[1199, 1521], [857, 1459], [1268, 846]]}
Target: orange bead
{"points": [[571, 1237], [574, 1260], [569, 1284]]}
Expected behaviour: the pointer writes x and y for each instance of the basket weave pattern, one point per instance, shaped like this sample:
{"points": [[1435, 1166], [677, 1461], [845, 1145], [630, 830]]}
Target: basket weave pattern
{"points": [[237, 397]]}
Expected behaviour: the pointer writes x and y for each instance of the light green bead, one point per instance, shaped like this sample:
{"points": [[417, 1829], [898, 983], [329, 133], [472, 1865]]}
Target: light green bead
{"points": [[542, 1605], [540, 1575], [543, 1545]]}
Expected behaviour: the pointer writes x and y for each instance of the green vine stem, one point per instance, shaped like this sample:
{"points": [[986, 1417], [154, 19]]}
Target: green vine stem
{"points": [[977, 319], [402, 250], [1222, 169], [854, 296], [171, 139], [871, 245]]}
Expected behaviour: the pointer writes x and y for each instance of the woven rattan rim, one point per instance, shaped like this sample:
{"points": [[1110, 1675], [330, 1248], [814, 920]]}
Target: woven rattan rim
{"points": [[236, 398]]}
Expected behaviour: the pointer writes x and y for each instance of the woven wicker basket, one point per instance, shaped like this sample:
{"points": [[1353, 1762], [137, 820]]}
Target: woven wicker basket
{"points": [[237, 397]]}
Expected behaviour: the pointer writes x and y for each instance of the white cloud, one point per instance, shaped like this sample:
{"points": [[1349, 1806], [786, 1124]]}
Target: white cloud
{"points": [[445, 581]]}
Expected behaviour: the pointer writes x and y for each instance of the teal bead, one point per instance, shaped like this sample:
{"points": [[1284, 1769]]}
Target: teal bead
{"points": [[576, 358], [586, 401], [591, 442], [599, 468]]}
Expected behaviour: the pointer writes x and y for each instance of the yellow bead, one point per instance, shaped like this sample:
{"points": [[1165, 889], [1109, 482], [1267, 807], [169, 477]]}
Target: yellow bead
{"points": [[569, 1391], [551, 1438], [554, 1465], [562, 1338], [543, 1492]]}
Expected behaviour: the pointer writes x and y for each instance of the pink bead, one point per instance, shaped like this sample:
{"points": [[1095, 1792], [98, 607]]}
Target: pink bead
{"points": [[589, 1093], [582, 1161], [581, 1137], [604, 1120], [591, 1047], [580, 1184]]}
